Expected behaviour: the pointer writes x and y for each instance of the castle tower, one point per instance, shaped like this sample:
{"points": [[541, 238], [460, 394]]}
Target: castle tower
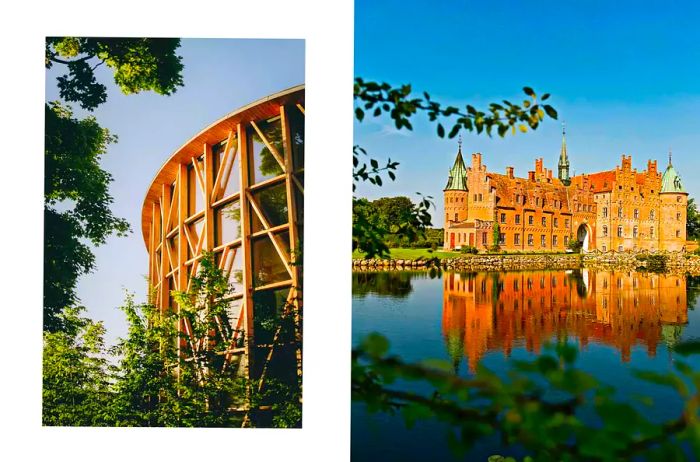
{"points": [[456, 194], [564, 160], [674, 202]]}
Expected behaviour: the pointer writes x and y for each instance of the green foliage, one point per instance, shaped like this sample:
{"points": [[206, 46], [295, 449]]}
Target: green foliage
{"points": [[76, 207], [139, 64], [469, 249], [692, 224], [401, 106], [389, 222], [76, 189], [546, 406], [574, 244], [76, 374], [655, 262]]}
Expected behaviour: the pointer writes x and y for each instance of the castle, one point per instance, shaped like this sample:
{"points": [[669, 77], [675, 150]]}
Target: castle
{"points": [[614, 210]]}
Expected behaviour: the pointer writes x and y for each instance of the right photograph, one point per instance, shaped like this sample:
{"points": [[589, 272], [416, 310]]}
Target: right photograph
{"points": [[525, 245]]}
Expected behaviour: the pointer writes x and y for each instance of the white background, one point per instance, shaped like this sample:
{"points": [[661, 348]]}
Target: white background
{"points": [[327, 28]]}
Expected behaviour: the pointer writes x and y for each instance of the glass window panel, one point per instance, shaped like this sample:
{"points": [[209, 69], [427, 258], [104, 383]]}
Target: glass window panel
{"points": [[267, 264], [263, 164], [273, 203], [233, 312], [234, 264], [233, 185], [195, 199], [269, 306], [173, 251], [296, 124], [228, 223], [195, 231]]}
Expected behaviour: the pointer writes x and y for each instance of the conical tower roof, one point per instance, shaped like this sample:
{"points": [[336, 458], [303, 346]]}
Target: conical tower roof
{"points": [[671, 180], [458, 174]]}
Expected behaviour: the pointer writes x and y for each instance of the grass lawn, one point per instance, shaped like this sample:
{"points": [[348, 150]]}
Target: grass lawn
{"points": [[413, 254]]}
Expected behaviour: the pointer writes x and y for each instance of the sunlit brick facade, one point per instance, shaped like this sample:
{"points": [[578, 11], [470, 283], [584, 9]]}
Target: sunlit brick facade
{"points": [[615, 210]]}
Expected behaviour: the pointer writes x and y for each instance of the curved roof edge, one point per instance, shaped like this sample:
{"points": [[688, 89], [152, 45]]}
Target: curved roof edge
{"points": [[213, 133]]}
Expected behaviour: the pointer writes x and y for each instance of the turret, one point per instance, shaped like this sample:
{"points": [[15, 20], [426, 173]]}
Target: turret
{"points": [[674, 203], [456, 192], [564, 160]]}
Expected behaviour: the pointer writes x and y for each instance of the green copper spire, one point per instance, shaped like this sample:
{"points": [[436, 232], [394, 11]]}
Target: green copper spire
{"points": [[671, 181], [564, 159], [458, 173]]}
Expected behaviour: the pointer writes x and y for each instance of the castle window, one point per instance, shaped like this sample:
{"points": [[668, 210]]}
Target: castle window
{"points": [[481, 198], [556, 222], [619, 248], [678, 198], [566, 223], [544, 221], [543, 240], [605, 231], [503, 218], [678, 216], [447, 217], [636, 214], [619, 231], [635, 232], [455, 217], [652, 214], [530, 240], [651, 232], [517, 219], [537, 201], [483, 238], [544, 202], [530, 220], [678, 233], [619, 212], [566, 240], [475, 197], [605, 212], [516, 239], [605, 249], [555, 241], [502, 238]]}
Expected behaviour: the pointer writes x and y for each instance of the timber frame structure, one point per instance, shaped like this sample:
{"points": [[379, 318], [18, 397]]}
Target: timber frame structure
{"points": [[236, 190]]}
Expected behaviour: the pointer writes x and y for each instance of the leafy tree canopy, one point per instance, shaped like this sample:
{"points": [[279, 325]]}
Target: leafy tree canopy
{"points": [[401, 105], [77, 200], [692, 224], [138, 63]]}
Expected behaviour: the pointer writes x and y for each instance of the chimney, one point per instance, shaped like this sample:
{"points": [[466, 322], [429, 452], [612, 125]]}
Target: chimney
{"points": [[538, 165], [509, 172], [531, 175]]}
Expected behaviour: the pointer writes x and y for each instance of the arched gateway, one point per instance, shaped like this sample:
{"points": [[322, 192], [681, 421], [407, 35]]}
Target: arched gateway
{"points": [[583, 235]]}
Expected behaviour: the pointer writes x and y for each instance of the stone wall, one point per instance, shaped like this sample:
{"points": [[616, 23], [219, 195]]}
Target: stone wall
{"points": [[674, 261]]}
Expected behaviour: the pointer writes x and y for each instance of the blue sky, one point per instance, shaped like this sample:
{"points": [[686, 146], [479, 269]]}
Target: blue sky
{"points": [[625, 76], [220, 76]]}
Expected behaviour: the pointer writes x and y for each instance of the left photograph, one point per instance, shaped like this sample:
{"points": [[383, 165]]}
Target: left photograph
{"points": [[173, 232]]}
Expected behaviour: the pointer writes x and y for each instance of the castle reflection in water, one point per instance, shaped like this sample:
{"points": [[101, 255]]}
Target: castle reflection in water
{"points": [[499, 311]]}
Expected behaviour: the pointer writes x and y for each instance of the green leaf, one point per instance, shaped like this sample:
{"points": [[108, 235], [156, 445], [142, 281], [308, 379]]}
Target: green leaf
{"points": [[551, 112], [359, 114], [529, 91]]}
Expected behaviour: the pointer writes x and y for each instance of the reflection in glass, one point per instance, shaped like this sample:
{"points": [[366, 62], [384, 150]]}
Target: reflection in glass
{"points": [[234, 266], [263, 163], [296, 123], [269, 306], [267, 265], [228, 223], [273, 203]]}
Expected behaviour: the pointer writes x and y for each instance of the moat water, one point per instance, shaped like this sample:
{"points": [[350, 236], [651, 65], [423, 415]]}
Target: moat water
{"points": [[621, 321]]}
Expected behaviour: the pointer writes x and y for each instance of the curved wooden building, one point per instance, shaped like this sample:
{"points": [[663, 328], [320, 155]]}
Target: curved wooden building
{"points": [[236, 189]]}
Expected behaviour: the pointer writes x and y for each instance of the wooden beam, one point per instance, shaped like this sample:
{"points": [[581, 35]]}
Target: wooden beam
{"points": [[208, 186], [164, 254], [248, 324], [275, 242], [224, 161]]}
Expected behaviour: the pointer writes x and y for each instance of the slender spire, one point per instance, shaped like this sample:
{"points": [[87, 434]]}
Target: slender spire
{"points": [[564, 159], [458, 173], [669, 158], [460, 143]]}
